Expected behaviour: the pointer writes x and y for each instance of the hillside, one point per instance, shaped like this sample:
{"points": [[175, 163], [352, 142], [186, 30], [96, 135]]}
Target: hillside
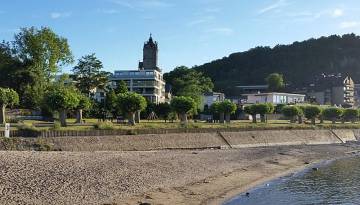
{"points": [[299, 62]]}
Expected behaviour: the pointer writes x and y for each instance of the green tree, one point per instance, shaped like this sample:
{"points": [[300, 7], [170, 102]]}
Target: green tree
{"points": [[121, 87], [251, 110], [88, 74], [214, 109], [42, 53], [130, 103], [263, 109], [8, 97], [312, 112], [188, 82], [227, 108], [350, 115], [275, 82], [163, 110], [183, 106], [332, 113], [291, 112], [62, 99], [84, 104]]}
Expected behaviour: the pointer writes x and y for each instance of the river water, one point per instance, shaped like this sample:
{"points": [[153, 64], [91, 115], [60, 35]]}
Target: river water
{"points": [[336, 182]]}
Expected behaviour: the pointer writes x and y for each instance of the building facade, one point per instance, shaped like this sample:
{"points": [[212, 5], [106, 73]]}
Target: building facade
{"points": [[147, 80], [211, 97], [275, 98], [333, 90]]}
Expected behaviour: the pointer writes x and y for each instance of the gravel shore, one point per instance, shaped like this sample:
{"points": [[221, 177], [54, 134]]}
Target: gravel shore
{"points": [[158, 177]]}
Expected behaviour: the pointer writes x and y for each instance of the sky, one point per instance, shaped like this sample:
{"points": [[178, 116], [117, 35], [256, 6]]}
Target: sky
{"points": [[189, 32]]}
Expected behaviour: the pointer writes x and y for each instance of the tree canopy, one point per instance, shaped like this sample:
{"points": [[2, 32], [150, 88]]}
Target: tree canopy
{"points": [[131, 103], [300, 63], [8, 97], [275, 82], [188, 82], [88, 74]]}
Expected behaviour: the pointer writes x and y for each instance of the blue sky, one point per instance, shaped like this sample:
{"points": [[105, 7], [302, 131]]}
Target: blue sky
{"points": [[189, 32]]}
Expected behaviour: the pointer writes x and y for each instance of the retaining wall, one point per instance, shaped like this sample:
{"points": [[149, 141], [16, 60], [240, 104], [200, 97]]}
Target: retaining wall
{"points": [[237, 139]]}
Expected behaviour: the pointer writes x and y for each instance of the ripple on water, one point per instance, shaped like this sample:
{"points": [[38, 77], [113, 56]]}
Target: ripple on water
{"points": [[334, 183]]}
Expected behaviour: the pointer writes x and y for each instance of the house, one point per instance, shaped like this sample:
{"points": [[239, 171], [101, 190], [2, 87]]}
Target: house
{"points": [[210, 97], [147, 80], [333, 90], [252, 88], [274, 97]]}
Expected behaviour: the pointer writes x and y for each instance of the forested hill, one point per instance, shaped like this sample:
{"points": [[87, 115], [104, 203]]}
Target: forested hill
{"points": [[299, 62]]}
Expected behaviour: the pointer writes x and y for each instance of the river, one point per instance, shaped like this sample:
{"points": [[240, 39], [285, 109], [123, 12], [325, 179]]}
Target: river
{"points": [[336, 182]]}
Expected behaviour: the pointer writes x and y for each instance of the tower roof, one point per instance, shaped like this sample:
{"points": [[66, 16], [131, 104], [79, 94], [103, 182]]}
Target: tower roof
{"points": [[151, 43]]}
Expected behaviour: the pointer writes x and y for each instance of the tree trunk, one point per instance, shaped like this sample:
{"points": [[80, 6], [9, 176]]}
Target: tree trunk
{"points": [[131, 119], [2, 115], [321, 119], [183, 118], [63, 118], [227, 118], [300, 119], [254, 118], [262, 118], [333, 120], [222, 116], [137, 116], [79, 116], [313, 120]]}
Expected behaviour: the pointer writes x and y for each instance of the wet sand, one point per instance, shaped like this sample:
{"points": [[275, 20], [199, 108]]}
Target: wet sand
{"points": [[157, 177]]}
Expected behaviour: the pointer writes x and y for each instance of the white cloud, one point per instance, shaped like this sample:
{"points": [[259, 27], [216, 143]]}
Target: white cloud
{"points": [[277, 5], [337, 13], [221, 31], [349, 24], [56, 15]]}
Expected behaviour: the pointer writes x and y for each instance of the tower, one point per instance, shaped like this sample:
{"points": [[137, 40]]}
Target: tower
{"points": [[150, 55]]}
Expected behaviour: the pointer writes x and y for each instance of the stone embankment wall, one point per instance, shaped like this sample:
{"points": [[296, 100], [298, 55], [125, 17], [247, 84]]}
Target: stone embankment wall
{"points": [[223, 140]]}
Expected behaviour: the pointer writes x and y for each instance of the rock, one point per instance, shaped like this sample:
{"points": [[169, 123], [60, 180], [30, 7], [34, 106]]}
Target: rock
{"points": [[247, 194], [315, 169]]}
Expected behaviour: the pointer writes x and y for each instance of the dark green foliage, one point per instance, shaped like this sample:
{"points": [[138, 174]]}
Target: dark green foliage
{"points": [[182, 104], [88, 74], [121, 87], [332, 113], [130, 103], [275, 82], [188, 82], [227, 107], [8, 97], [62, 99], [350, 115], [291, 111], [163, 110], [300, 63], [312, 112]]}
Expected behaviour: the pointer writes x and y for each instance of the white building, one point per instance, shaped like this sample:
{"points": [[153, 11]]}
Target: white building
{"points": [[210, 97], [275, 98], [147, 80]]}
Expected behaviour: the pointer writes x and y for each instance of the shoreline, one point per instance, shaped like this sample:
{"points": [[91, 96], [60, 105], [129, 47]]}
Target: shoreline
{"points": [[219, 189], [188, 177]]}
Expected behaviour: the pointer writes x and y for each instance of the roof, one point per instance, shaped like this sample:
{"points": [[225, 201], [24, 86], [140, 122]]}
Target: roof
{"points": [[274, 93], [212, 93], [253, 86]]}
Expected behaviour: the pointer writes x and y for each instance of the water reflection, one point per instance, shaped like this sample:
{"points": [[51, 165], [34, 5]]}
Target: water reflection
{"points": [[335, 183]]}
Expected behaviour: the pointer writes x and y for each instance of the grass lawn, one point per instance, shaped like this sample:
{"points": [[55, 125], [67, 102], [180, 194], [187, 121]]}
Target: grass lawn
{"points": [[159, 124]]}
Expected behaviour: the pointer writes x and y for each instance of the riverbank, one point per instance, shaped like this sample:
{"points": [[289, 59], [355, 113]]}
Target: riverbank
{"points": [[207, 176]]}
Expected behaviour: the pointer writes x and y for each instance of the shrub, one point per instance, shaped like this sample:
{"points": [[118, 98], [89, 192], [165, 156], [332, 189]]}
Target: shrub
{"points": [[183, 105], [350, 115], [291, 112], [332, 113], [57, 125], [104, 125], [250, 109], [312, 112], [278, 108]]}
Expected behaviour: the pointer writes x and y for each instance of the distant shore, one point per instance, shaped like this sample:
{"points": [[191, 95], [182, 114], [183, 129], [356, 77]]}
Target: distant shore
{"points": [[209, 176]]}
